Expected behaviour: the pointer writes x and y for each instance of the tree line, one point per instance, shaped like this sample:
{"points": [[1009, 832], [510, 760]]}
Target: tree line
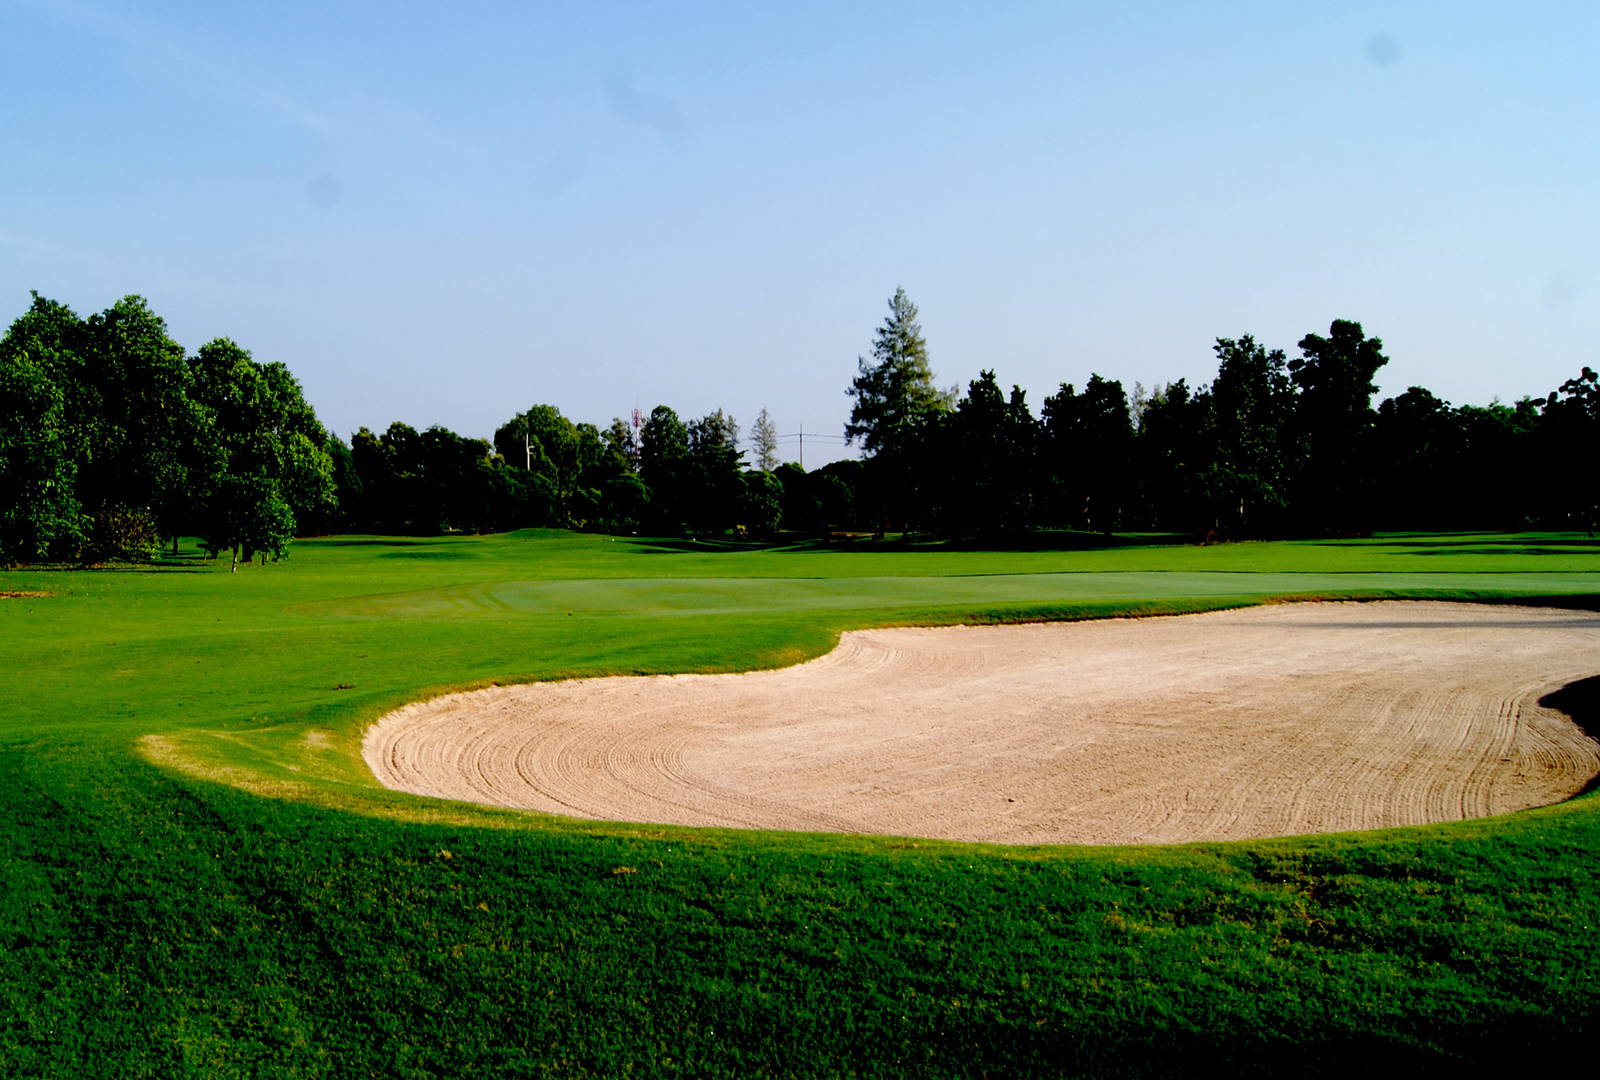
{"points": [[663, 476], [114, 440], [1272, 446]]}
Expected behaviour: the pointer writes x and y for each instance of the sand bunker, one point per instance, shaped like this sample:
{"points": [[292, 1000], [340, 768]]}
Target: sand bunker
{"points": [[1257, 722]]}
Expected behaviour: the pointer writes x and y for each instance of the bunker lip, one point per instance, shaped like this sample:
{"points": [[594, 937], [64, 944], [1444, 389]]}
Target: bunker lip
{"points": [[1261, 721]]}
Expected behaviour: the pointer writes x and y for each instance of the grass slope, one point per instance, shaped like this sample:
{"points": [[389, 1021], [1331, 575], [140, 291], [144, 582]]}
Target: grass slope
{"points": [[160, 922]]}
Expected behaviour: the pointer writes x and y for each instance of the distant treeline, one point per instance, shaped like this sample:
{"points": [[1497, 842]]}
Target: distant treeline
{"points": [[1272, 446], [112, 440]]}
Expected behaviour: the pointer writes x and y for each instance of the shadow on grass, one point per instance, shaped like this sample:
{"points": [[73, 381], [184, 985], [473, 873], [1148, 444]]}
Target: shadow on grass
{"points": [[654, 545], [1067, 540], [441, 553], [857, 543], [367, 541], [1482, 543], [1513, 549], [181, 565]]}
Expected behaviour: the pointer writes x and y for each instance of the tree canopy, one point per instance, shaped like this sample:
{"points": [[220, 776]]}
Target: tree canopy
{"points": [[893, 392], [112, 438]]}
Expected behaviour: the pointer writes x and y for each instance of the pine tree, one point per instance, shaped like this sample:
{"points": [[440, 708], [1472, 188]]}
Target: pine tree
{"points": [[764, 440], [894, 392]]}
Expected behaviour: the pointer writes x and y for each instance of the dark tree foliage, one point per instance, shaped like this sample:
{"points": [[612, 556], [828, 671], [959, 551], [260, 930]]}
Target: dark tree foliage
{"points": [[262, 465], [1252, 408], [799, 504], [990, 449], [1334, 416], [1270, 447], [141, 429], [836, 490], [347, 490], [1087, 449], [715, 492], [893, 392], [1570, 436], [1419, 441], [433, 481], [110, 437], [760, 502], [1498, 475], [42, 441], [622, 443], [897, 417], [457, 482], [546, 446], [1182, 477], [664, 468]]}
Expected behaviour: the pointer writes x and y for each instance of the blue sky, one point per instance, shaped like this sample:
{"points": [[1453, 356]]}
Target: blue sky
{"points": [[445, 214]]}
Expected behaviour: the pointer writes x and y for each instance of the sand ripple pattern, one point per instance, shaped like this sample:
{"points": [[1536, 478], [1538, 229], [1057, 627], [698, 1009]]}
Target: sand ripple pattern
{"points": [[1258, 722]]}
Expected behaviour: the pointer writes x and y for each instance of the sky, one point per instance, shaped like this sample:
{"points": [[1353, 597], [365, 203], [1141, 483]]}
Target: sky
{"points": [[444, 214]]}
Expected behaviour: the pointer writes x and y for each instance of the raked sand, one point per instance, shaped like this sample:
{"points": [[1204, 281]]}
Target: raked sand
{"points": [[1264, 721]]}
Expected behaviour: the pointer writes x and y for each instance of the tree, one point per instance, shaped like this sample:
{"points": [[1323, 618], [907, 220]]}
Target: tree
{"points": [[1088, 451], [893, 392], [623, 442], [1500, 453], [348, 489], [1252, 403], [896, 413], [547, 445], [1334, 375], [110, 437], [799, 504], [714, 465], [837, 490], [1569, 433], [41, 442], [100, 437], [456, 489], [378, 483], [761, 502], [991, 451], [1176, 459], [610, 464], [1420, 441], [664, 466], [263, 453], [40, 516], [135, 476], [764, 441]]}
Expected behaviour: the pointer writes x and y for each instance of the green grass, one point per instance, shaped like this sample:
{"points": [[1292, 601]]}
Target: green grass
{"points": [[192, 886]]}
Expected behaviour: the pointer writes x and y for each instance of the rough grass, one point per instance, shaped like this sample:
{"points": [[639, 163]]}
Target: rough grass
{"points": [[200, 879]]}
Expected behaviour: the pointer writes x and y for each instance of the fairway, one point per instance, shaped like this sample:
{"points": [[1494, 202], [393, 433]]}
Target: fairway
{"points": [[203, 877], [1222, 726]]}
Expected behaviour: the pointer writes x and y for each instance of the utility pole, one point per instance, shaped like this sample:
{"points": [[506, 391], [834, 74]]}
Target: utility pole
{"points": [[802, 447]]}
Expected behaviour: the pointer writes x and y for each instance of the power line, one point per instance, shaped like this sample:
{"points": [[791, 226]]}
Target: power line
{"points": [[800, 437]]}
